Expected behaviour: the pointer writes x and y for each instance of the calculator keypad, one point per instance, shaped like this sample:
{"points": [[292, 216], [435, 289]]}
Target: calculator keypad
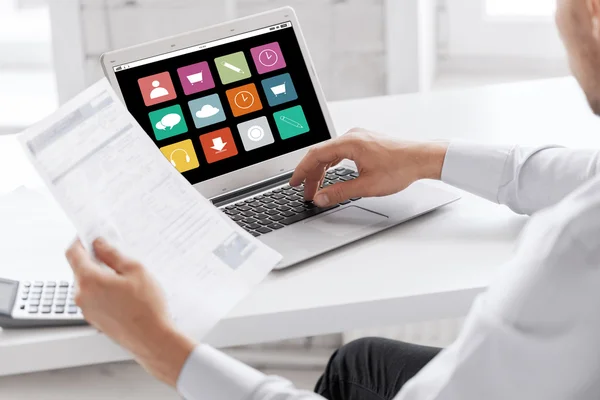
{"points": [[48, 299]]}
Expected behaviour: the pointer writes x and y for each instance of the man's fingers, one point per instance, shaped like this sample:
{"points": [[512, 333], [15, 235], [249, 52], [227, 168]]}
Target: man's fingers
{"points": [[339, 192], [312, 183], [112, 257], [330, 152], [78, 258], [82, 264]]}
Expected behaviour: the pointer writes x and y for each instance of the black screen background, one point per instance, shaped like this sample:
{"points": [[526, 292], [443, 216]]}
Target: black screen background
{"points": [[295, 66]]}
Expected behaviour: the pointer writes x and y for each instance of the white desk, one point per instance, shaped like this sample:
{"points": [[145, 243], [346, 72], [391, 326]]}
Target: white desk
{"points": [[428, 268]]}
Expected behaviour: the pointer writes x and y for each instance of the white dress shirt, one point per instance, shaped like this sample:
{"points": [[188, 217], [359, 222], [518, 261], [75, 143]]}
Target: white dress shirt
{"points": [[534, 334]]}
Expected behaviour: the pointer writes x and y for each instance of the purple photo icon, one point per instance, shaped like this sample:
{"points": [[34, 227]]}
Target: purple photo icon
{"points": [[195, 78], [267, 57]]}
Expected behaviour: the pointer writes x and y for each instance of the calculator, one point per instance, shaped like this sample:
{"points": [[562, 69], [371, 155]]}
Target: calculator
{"points": [[35, 304]]}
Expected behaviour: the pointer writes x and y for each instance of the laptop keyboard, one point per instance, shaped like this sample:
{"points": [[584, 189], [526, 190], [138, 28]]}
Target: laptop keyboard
{"points": [[283, 206]]}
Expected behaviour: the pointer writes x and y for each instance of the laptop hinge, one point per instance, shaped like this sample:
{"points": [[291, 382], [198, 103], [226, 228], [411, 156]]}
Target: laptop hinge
{"points": [[250, 190]]}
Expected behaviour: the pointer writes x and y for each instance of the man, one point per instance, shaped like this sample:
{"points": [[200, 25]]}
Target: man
{"points": [[535, 333]]}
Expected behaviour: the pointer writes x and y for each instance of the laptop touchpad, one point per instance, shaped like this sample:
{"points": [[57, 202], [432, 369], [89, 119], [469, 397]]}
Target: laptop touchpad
{"points": [[346, 221]]}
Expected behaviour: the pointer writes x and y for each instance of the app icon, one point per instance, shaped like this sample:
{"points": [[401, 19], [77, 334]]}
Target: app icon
{"points": [[232, 67], [255, 133], [279, 89], [157, 88], [267, 58], [181, 155], [168, 122], [196, 78], [244, 100], [207, 110], [291, 122], [218, 145]]}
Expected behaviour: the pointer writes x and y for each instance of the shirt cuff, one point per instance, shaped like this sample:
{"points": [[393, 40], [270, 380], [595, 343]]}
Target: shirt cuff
{"points": [[476, 168], [210, 374]]}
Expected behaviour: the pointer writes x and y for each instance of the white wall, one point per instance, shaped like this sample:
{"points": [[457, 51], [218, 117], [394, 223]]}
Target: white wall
{"points": [[497, 48], [428, 53], [473, 33], [24, 37], [411, 57]]}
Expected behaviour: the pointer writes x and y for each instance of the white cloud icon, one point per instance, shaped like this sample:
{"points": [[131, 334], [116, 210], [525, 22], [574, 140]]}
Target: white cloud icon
{"points": [[207, 111]]}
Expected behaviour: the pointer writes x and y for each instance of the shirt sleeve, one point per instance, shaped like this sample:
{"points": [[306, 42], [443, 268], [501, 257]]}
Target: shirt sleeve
{"points": [[534, 333], [211, 374], [526, 179]]}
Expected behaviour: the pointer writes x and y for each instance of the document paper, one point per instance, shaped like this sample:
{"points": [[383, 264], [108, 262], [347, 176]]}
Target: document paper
{"points": [[112, 181]]}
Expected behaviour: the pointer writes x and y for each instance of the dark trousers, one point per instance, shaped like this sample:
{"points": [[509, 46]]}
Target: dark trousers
{"points": [[372, 369]]}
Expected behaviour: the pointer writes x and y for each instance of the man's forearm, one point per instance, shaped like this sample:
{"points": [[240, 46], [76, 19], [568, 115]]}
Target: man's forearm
{"points": [[163, 352], [431, 159], [210, 374], [201, 372], [526, 179]]}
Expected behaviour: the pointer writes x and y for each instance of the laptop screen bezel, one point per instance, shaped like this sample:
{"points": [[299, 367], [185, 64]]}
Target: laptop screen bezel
{"points": [[256, 173]]}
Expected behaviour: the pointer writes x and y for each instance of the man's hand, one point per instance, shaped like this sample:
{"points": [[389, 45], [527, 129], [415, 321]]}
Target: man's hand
{"points": [[127, 305], [385, 166]]}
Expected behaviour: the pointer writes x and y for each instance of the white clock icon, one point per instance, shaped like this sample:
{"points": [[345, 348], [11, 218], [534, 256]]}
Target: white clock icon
{"points": [[244, 99], [268, 57]]}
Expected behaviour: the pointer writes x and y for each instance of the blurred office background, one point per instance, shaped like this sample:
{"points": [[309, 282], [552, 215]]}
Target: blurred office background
{"points": [[49, 51]]}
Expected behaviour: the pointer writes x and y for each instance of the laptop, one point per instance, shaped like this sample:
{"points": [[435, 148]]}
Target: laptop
{"points": [[234, 108]]}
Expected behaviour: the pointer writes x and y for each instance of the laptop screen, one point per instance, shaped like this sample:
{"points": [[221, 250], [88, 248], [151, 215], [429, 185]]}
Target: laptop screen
{"points": [[221, 106]]}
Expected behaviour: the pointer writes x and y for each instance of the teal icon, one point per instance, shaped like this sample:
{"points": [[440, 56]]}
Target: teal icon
{"points": [[279, 89], [291, 122], [168, 122]]}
